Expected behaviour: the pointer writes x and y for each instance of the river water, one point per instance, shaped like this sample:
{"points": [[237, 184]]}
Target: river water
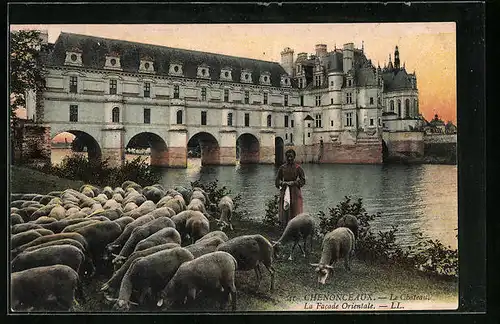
{"points": [[417, 198]]}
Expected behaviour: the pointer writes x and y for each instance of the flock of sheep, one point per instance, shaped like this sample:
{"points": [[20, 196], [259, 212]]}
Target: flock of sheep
{"points": [[157, 241]]}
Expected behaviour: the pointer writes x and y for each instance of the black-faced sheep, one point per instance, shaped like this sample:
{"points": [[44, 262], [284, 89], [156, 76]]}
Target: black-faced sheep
{"points": [[351, 222], [149, 274], [44, 288], [299, 227], [165, 235], [204, 246], [213, 272], [337, 244], [114, 282], [226, 211], [250, 251]]}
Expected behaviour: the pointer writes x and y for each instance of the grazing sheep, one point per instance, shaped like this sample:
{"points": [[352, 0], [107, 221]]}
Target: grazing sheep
{"points": [[27, 212], [150, 273], [201, 195], [119, 191], [101, 198], [108, 191], [163, 212], [226, 211], [250, 251], [153, 193], [114, 282], [26, 203], [165, 235], [44, 220], [58, 226], [129, 207], [47, 256], [118, 198], [197, 226], [143, 232], [337, 244], [49, 238], [66, 241], [213, 272], [181, 218], [74, 227], [131, 184], [19, 228], [112, 204], [134, 197], [301, 226], [197, 205], [124, 221], [19, 203], [171, 202], [98, 235], [42, 211], [351, 222], [45, 288], [145, 208], [16, 219], [219, 234], [127, 231], [23, 238], [204, 246]]}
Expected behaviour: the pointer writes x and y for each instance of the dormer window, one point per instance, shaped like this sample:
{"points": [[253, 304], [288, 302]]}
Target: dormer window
{"points": [[175, 69], [112, 61], [203, 71], [285, 81], [146, 65], [265, 78], [246, 76], [225, 74], [73, 57]]}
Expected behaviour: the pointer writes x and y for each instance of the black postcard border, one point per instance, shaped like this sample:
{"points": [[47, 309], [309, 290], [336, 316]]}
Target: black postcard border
{"points": [[471, 114]]}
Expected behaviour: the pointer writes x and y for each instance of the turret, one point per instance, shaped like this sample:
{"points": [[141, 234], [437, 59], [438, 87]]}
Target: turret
{"points": [[396, 58], [321, 52], [348, 56], [287, 60]]}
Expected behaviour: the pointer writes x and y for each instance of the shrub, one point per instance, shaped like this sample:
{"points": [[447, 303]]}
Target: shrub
{"points": [[215, 193], [272, 218]]}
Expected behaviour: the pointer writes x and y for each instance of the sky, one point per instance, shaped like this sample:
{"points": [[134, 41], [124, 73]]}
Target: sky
{"points": [[429, 49]]}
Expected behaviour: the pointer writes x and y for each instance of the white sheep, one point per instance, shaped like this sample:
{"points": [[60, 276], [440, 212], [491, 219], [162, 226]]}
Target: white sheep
{"points": [[351, 222], [337, 244], [226, 206], [301, 226]]}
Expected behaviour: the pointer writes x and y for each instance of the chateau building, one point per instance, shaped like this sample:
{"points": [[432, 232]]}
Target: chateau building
{"points": [[331, 107]]}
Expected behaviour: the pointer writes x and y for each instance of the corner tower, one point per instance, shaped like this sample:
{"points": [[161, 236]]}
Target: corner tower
{"points": [[287, 60]]}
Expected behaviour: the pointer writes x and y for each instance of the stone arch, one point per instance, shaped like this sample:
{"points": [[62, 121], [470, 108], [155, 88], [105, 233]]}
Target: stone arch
{"points": [[141, 142], [82, 142], [209, 148], [279, 151], [115, 115], [248, 148]]}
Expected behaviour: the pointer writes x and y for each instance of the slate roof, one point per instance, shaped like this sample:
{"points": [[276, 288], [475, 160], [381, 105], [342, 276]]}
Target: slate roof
{"points": [[396, 80], [94, 51]]}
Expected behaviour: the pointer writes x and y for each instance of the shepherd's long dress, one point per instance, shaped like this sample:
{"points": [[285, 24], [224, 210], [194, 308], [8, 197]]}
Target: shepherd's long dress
{"points": [[295, 173]]}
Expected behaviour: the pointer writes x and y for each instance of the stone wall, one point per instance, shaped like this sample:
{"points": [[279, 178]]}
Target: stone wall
{"points": [[440, 149], [31, 143], [404, 146], [369, 153]]}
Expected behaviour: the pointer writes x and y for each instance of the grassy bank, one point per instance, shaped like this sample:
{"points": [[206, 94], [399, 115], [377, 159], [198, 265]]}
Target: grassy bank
{"points": [[26, 180]]}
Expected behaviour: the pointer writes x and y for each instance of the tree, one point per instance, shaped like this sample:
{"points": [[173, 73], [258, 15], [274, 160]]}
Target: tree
{"points": [[26, 67]]}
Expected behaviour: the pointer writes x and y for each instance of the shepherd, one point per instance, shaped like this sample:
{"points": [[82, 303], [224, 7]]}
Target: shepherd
{"points": [[289, 179]]}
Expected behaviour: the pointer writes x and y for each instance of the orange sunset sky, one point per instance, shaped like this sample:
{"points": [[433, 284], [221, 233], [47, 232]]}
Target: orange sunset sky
{"points": [[429, 49]]}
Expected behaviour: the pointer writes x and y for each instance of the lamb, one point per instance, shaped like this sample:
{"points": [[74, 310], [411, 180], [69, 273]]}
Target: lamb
{"points": [[301, 226], [127, 231], [204, 246], [150, 273], [49, 238], [197, 226], [250, 251], [337, 244], [114, 282], [166, 235], [210, 272], [143, 232], [219, 234], [51, 287], [47, 256], [351, 222], [226, 209]]}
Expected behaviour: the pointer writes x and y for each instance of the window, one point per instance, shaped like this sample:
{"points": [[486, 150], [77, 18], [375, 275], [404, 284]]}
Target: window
{"points": [[317, 80], [308, 124], [286, 100], [286, 121], [115, 115], [226, 95], [269, 117], [371, 121], [371, 100], [308, 134], [291, 138], [318, 120], [318, 100], [73, 113], [407, 108], [392, 105], [415, 108], [349, 98], [247, 96], [380, 122], [331, 123], [301, 100], [399, 108], [247, 119], [204, 94], [179, 117], [73, 84], [203, 117], [286, 136], [349, 83], [301, 83], [147, 116], [379, 101], [230, 119], [113, 86], [348, 119], [147, 89], [176, 91], [331, 101], [265, 98], [291, 123], [331, 83]]}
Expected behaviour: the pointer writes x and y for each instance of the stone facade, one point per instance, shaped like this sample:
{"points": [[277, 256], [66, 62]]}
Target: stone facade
{"points": [[30, 143], [335, 99]]}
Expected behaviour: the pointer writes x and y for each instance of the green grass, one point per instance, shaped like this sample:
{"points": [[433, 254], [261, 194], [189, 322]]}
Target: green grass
{"points": [[26, 180]]}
